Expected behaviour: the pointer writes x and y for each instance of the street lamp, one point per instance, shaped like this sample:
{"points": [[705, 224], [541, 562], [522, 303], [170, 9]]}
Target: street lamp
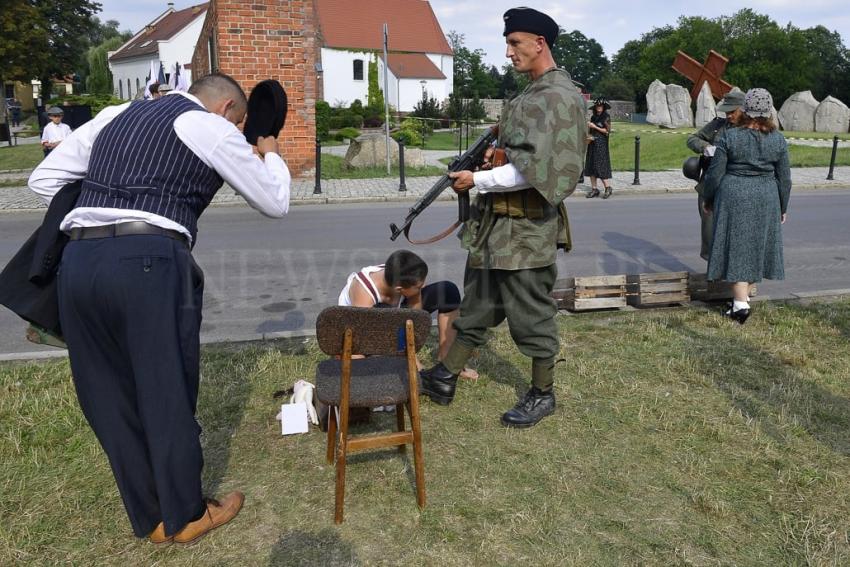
{"points": [[423, 82]]}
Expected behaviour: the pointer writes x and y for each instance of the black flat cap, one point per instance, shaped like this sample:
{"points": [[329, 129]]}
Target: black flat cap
{"points": [[266, 111], [531, 21]]}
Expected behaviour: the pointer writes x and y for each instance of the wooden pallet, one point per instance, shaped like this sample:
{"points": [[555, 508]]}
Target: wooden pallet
{"points": [[590, 292], [657, 289], [702, 290]]}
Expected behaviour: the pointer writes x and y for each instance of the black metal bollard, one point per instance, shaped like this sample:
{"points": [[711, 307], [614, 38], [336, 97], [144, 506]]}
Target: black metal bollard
{"points": [[401, 185], [317, 188], [832, 159], [637, 161]]}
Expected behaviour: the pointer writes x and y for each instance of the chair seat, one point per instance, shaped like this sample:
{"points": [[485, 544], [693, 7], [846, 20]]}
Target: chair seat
{"points": [[375, 381]]}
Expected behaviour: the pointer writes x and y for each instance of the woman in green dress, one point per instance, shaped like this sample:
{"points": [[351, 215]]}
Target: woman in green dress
{"points": [[747, 186]]}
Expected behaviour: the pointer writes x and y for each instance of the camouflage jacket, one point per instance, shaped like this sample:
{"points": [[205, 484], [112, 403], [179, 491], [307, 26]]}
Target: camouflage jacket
{"points": [[542, 131]]}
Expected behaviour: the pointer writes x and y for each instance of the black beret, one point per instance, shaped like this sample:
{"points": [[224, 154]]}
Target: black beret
{"points": [[267, 107], [531, 21]]}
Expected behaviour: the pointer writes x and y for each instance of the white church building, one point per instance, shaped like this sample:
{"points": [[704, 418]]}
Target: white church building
{"points": [[351, 35], [169, 39]]}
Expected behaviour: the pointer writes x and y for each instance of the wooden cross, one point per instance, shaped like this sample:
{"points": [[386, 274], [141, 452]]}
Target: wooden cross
{"points": [[711, 72]]}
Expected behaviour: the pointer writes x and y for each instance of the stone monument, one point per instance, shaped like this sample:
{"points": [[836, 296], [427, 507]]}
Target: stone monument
{"points": [[370, 150], [679, 105], [706, 108], [832, 115], [658, 111], [798, 112]]}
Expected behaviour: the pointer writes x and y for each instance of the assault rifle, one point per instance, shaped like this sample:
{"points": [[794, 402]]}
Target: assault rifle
{"points": [[470, 160]]}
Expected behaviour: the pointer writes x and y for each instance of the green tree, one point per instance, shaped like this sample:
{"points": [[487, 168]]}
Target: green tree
{"points": [[69, 25], [22, 42], [471, 75], [99, 78], [374, 95], [614, 88], [582, 57]]}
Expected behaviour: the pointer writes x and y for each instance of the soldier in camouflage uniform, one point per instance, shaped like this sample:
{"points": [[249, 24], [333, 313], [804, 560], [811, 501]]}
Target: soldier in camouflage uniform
{"points": [[519, 220], [702, 142]]}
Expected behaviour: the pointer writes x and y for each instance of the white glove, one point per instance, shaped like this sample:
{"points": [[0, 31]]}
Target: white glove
{"points": [[709, 151]]}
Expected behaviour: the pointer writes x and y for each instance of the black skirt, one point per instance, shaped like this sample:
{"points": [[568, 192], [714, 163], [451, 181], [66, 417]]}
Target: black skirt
{"points": [[598, 160]]}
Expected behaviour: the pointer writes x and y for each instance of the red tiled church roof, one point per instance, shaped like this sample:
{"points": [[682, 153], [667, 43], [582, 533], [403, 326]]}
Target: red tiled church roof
{"points": [[359, 24], [160, 30], [413, 66]]}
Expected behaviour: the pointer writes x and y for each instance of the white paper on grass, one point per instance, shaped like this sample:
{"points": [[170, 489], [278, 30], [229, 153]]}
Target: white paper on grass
{"points": [[293, 418]]}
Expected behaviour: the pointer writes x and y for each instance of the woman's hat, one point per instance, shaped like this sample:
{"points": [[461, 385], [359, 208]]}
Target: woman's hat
{"points": [[603, 102], [55, 111], [758, 103], [267, 107]]}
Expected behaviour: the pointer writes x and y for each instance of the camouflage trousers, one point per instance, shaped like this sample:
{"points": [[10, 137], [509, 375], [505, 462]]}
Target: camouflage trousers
{"points": [[523, 297]]}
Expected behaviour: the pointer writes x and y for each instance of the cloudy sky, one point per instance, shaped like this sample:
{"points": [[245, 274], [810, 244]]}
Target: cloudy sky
{"points": [[611, 22]]}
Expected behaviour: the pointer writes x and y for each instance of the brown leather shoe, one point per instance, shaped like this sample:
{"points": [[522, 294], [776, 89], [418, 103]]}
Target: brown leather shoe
{"points": [[218, 513], [158, 537]]}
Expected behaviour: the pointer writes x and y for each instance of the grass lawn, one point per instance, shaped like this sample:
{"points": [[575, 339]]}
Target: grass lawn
{"points": [[680, 438], [25, 156], [333, 167], [667, 149]]}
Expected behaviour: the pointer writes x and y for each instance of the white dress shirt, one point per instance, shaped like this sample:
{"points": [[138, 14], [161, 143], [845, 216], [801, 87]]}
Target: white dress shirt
{"points": [[500, 179], [264, 183], [55, 132]]}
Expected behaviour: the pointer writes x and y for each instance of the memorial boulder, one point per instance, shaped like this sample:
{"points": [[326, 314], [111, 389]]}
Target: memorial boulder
{"points": [[706, 107], [657, 109], [370, 150], [832, 115], [798, 112], [679, 105]]}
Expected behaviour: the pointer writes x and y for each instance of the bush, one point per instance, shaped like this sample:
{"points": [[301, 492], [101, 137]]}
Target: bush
{"points": [[346, 119], [323, 120], [97, 102], [347, 134], [410, 132], [427, 108]]}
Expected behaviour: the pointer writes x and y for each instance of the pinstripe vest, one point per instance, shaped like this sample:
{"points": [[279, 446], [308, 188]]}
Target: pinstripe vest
{"points": [[138, 162]]}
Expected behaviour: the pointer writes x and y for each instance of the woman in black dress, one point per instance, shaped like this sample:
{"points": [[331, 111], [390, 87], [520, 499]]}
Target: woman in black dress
{"points": [[598, 161]]}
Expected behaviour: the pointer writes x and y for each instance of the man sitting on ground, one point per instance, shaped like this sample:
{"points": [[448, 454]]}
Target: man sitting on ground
{"points": [[400, 282]]}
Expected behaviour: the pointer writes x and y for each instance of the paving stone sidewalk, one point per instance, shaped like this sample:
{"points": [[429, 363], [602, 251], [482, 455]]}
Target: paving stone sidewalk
{"points": [[337, 191]]}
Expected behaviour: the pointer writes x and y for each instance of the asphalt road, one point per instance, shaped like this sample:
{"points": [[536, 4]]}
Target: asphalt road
{"points": [[270, 277]]}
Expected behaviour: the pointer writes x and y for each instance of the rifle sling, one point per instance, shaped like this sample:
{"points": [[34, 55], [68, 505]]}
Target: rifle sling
{"points": [[433, 239]]}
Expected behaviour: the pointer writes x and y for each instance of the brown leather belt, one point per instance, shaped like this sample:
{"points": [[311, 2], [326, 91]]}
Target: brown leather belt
{"points": [[125, 229]]}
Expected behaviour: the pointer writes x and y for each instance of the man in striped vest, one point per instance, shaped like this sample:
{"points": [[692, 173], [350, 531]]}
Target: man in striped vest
{"points": [[130, 294]]}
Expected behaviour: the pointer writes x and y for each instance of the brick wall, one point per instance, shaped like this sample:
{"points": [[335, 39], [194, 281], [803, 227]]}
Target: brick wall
{"points": [[256, 40]]}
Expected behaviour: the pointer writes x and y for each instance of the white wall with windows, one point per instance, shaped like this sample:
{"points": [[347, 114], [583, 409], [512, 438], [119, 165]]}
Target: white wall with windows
{"points": [[342, 84], [129, 72], [180, 47]]}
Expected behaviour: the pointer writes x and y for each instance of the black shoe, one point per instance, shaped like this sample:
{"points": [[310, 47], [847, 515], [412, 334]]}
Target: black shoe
{"points": [[741, 315], [534, 406], [593, 193], [439, 384], [607, 193]]}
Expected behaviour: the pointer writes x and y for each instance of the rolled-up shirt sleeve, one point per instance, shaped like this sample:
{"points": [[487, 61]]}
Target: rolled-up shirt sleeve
{"points": [[264, 183], [502, 179]]}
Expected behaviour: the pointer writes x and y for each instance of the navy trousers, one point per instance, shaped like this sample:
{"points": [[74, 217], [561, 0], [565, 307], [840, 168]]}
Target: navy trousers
{"points": [[130, 309]]}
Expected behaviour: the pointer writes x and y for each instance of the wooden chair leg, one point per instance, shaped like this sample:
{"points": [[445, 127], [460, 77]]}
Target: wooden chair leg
{"points": [[341, 453], [399, 417], [418, 459], [331, 433]]}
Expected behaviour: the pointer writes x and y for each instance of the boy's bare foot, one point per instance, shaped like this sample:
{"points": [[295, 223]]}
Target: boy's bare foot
{"points": [[469, 374]]}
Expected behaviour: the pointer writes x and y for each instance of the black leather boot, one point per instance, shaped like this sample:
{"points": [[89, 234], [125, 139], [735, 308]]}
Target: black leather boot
{"points": [[438, 383], [534, 406]]}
